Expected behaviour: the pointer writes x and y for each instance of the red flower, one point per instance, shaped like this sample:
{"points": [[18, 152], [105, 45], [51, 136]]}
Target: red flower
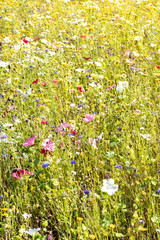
{"points": [[80, 89], [36, 81], [25, 41], [74, 132], [86, 58], [158, 66]]}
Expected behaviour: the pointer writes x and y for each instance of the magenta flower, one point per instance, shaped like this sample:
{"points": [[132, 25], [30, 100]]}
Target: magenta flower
{"points": [[88, 118], [44, 122], [48, 145], [18, 173], [29, 141]]}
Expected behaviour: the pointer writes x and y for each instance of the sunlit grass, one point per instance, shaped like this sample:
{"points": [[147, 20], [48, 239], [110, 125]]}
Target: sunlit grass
{"points": [[79, 122]]}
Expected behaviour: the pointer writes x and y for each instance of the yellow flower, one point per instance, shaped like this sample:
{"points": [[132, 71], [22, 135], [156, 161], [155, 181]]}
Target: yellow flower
{"points": [[4, 214], [116, 63], [92, 236], [142, 229], [112, 226], [4, 209], [79, 219]]}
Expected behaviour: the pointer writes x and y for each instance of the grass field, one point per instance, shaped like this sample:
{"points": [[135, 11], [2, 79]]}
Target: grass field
{"points": [[80, 120]]}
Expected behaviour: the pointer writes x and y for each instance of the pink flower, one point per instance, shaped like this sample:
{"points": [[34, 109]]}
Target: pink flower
{"points": [[88, 118], [44, 122], [10, 107], [43, 83], [48, 145], [29, 141], [127, 53], [62, 126], [54, 81], [19, 173]]}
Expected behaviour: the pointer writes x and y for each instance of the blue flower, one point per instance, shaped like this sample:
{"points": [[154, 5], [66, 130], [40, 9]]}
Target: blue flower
{"points": [[118, 166], [158, 191], [0, 197], [80, 105], [45, 165], [137, 175], [86, 192], [73, 161]]}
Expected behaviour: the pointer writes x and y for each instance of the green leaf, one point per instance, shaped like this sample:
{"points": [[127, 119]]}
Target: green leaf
{"points": [[36, 161]]}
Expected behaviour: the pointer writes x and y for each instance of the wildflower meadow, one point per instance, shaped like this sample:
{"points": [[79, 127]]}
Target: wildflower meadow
{"points": [[80, 119]]}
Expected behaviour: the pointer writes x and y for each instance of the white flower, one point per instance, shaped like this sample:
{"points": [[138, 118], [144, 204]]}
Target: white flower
{"points": [[92, 84], [158, 230], [4, 64], [138, 38], [26, 215], [32, 231], [92, 142], [100, 136], [135, 54], [79, 70], [98, 64], [29, 92], [145, 136], [8, 81], [121, 86], [153, 45], [73, 105], [6, 40], [44, 41], [109, 187]]}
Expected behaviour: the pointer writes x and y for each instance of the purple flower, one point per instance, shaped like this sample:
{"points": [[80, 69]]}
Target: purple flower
{"points": [[45, 165], [86, 192], [0, 197], [80, 105], [73, 162], [141, 221], [137, 175], [158, 191], [3, 135], [49, 237], [107, 176], [118, 166]]}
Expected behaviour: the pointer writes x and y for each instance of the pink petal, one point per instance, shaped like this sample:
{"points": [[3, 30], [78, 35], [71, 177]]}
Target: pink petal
{"points": [[15, 175], [29, 141]]}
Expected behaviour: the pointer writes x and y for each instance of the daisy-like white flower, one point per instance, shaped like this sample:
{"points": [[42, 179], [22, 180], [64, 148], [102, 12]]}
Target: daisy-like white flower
{"points": [[109, 186], [4, 64], [32, 231], [26, 215], [145, 136], [121, 86]]}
